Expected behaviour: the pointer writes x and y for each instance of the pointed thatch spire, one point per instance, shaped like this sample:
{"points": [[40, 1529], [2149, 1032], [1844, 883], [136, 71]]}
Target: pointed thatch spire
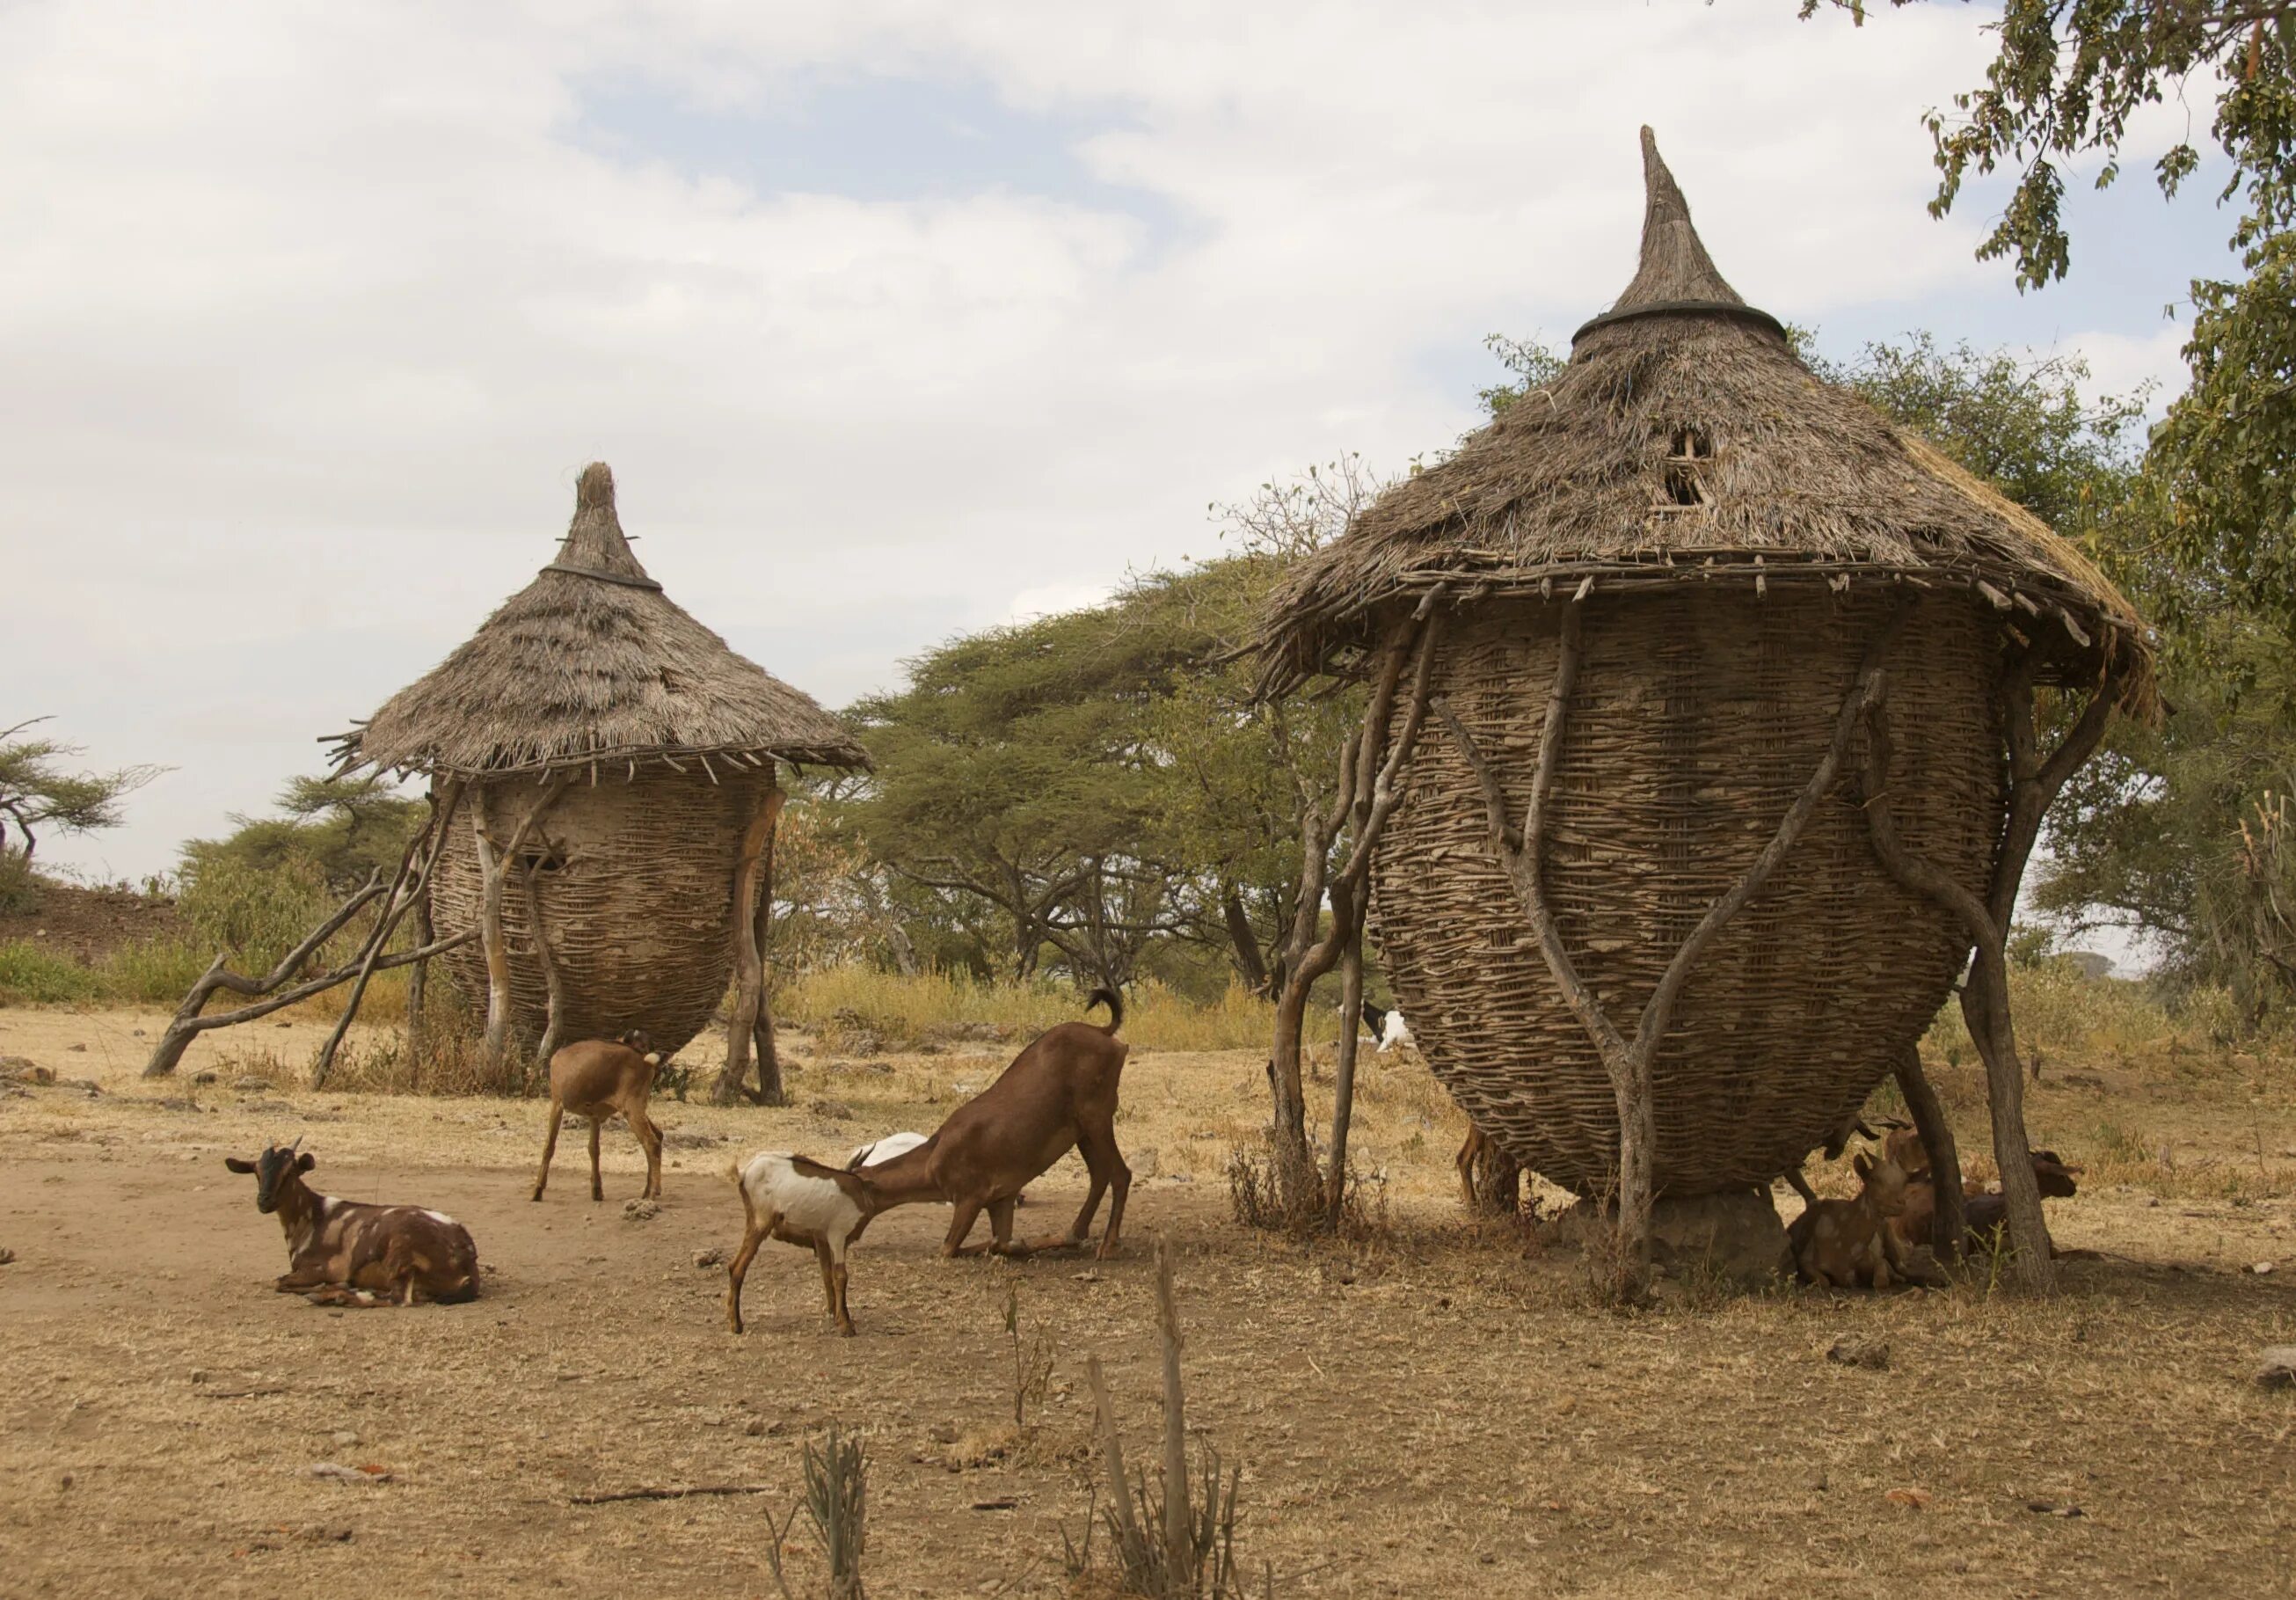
{"points": [[596, 544], [591, 667], [1675, 265], [1676, 276]]}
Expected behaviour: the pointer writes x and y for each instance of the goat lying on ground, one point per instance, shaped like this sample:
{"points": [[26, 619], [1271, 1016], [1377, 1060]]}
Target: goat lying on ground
{"points": [[344, 1252], [1389, 1028], [595, 1079], [1059, 1092], [1848, 1243], [800, 1201], [1983, 1211]]}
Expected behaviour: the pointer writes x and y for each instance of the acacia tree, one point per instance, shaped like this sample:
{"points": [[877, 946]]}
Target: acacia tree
{"points": [[2068, 80], [38, 793]]}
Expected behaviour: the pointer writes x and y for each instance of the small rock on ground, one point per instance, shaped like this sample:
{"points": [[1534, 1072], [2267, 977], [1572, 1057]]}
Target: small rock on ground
{"points": [[641, 1211], [1849, 1350], [2275, 1367], [714, 1256]]}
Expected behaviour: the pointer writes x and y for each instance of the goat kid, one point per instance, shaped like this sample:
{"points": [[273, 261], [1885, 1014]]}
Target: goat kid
{"points": [[1983, 1211], [597, 1078], [1058, 1095], [800, 1201], [345, 1253], [1848, 1243], [876, 1152]]}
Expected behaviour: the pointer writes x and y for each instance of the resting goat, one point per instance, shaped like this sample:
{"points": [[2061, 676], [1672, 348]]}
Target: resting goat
{"points": [[595, 1079], [1847, 1243], [1982, 1211], [347, 1253], [1389, 1028], [800, 1201], [1059, 1093]]}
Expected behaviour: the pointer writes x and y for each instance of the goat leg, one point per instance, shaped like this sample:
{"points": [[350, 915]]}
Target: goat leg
{"points": [[739, 1269], [549, 1146], [967, 1211], [597, 1185]]}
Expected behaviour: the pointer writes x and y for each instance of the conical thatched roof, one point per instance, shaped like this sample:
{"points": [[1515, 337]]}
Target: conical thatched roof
{"points": [[1686, 443], [591, 665]]}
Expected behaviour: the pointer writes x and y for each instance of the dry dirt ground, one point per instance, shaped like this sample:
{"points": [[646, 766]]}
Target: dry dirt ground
{"points": [[1427, 1410]]}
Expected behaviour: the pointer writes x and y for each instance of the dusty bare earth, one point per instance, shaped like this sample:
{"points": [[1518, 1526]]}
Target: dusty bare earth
{"points": [[1427, 1410], [89, 924]]}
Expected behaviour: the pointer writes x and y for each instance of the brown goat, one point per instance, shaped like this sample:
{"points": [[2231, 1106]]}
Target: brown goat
{"points": [[595, 1079], [1059, 1093], [346, 1252], [1982, 1211], [1848, 1243]]}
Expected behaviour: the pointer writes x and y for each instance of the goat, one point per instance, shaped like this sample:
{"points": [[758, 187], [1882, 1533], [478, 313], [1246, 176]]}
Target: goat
{"points": [[1059, 1092], [1982, 1211], [595, 1079], [345, 1253], [1846, 1243], [1389, 1028], [877, 1152], [800, 1201], [1836, 1143]]}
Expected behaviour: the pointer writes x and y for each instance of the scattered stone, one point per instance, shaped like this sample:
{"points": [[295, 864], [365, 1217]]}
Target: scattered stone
{"points": [[641, 1211], [64, 1480], [1849, 1350], [139, 1032], [7, 1256], [2275, 1367], [1181, 1177], [758, 1427], [833, 1111], [941, 1433], [203, 1078], [1145, 1164], [330, 1471], [2053, 1508], [2262, 1268], [250, 1086], [346, 1438], [1818, 1480], [78, 1049], [198, 1374], [714, 1256], [679, 1138]]}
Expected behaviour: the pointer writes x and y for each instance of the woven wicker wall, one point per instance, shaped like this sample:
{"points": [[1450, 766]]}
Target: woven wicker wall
{"points": [[640, 916], [1697, 718]]}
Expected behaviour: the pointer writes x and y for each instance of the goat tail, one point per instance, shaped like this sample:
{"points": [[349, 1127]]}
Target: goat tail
{"points": [[733, 1173], [1113, 1001]]}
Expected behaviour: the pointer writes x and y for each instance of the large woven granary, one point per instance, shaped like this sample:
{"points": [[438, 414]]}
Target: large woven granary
{"points": [[1727, 584], [600, 757]]}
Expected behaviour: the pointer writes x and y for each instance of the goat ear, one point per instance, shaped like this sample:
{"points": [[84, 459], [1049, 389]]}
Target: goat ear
{"points": [[237, 1165], [306, 1162], [1862, 1164]]}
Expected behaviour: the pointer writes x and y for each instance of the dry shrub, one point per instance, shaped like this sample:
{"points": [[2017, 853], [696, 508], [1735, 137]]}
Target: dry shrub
{"points": [[447, 1057], [1257, 1197]]}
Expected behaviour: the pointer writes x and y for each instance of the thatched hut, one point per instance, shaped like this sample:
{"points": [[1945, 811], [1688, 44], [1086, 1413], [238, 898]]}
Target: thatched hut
{"points": [[612, 763], [1728, 755]]}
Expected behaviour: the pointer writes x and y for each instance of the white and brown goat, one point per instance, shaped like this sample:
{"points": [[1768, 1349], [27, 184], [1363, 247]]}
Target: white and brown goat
{"points": [[597, 1078], [800, 1201], [349, 1253]]}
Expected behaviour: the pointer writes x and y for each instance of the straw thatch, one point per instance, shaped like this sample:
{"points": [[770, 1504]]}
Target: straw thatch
{"points": [[1747, 553], [592, 666], [1684, 442]]}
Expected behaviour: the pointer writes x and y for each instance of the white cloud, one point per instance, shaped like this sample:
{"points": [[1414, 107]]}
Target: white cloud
{"points": [[308, 315]]}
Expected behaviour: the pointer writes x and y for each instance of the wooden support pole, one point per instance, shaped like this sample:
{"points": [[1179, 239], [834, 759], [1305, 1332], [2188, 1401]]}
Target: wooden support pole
{"points": [[494, 867], [749, 873], [1948, 1225], [426, 846], [1343, 1084], [1179, 1550], [553, 982]]}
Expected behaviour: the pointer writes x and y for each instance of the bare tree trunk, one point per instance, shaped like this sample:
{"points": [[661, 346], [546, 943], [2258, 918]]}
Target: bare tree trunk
{"points": [[426, 846], [418, 978], [554, 980], [1343, 1083], [1949, 1225], [750, 874], [494, 867], [1179, 1550], [1244, 942]]}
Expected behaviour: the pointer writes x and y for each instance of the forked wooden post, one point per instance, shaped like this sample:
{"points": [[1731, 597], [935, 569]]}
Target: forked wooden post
{"points": [[752, 889], [1949, 1226], [494, 869]]}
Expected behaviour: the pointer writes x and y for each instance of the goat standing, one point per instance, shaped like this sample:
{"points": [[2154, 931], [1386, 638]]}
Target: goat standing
{"points": [[344, 1252], [1059, 1093], [595, 1079], [800, 1201]]}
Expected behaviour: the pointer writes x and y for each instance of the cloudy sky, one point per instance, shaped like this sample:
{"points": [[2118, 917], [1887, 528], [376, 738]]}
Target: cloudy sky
{"points": [[893, 319]]}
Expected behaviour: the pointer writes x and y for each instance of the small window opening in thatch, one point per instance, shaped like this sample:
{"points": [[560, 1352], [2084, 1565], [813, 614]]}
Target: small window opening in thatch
{"points": [[1681, 490], [1691, 445], [543, 858]]}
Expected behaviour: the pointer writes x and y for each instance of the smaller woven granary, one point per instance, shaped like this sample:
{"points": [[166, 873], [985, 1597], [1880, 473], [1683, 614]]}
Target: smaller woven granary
{"points": [[601, 758], [1666, 603]]}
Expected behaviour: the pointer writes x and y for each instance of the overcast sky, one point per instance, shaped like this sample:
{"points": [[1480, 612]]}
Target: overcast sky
{"points": [[894, 320]]}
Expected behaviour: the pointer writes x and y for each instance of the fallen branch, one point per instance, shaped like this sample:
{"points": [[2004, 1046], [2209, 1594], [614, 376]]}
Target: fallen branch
{"points": [[683, 1492]]}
